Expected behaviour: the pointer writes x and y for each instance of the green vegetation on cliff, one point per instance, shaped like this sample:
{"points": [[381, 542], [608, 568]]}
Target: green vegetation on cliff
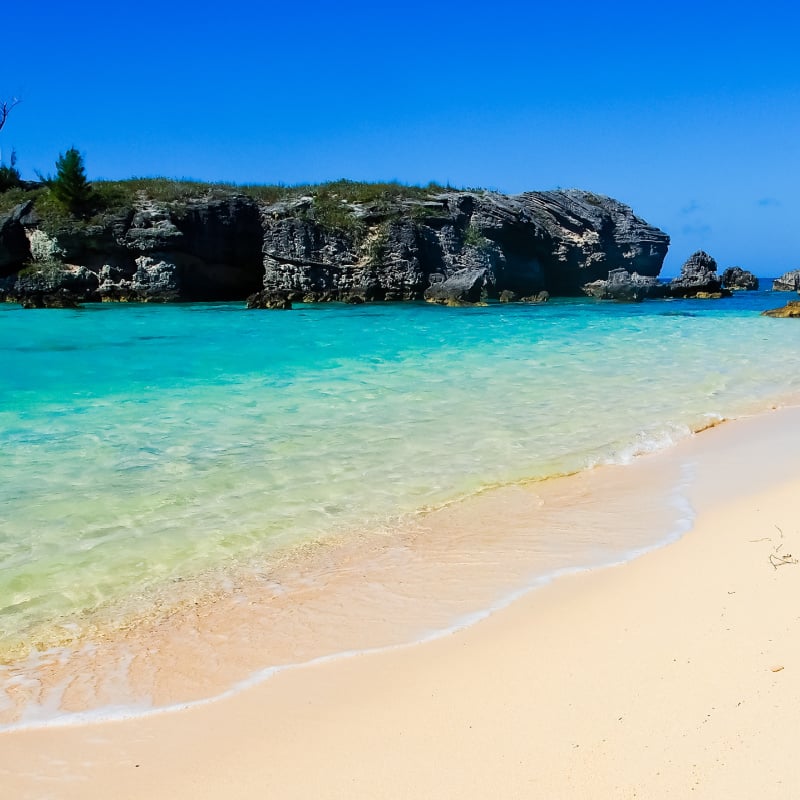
{"points": [[66, 203]]}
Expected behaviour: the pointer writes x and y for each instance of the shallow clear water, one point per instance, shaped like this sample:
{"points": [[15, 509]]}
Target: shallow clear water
{"points": [[140, 445]]}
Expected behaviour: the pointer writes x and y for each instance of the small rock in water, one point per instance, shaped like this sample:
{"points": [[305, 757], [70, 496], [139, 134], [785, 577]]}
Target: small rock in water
{"points": [[791, 309]]}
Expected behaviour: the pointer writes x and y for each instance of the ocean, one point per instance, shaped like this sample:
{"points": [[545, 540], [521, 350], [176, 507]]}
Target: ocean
{"points": [[155, 459]]}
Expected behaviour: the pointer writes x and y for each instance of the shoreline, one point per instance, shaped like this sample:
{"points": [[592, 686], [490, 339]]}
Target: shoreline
{"points": [[533, 537], [342, 715]]}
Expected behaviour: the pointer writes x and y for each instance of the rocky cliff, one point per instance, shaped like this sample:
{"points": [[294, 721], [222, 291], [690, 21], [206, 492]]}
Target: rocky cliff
{"points": [[456, 246], [326, 244], [201, 250]]}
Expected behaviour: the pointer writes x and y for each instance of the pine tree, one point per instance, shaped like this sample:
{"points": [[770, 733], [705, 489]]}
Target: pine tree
{"points": [[70, 187]]}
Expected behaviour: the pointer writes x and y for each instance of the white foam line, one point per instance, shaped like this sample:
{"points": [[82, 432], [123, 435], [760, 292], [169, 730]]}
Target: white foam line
{"points": [[683, 525]]}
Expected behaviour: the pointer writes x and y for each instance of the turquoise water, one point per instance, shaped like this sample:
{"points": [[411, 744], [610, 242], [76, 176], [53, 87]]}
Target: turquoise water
{"points": [[141, 445]]}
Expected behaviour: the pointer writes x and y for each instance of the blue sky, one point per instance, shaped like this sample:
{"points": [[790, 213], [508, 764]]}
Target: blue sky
{"points": [[688, 112]]}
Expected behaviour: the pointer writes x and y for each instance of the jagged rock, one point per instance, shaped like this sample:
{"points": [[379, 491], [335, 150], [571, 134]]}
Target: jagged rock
{"points": [[463, 286], [51, 278], [738, 279], [788, 282], [590, 233], [626, 286], [507, 296], [698, 278], [527, 243], [791, 309], [155, 280], [317, 264], [274, 301]]}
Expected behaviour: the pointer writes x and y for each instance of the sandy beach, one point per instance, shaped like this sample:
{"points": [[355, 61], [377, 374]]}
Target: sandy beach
{"points": [[673, 675]]}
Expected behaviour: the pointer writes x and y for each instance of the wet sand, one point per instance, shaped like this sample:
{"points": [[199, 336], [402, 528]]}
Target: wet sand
{"points": [[669, 675]]}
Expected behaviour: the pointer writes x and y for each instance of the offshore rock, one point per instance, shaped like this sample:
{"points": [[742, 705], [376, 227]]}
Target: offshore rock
{"points": [[791, 309], [625, 286], [463, 286], [738, 279], [788, 282], [698, 278]]}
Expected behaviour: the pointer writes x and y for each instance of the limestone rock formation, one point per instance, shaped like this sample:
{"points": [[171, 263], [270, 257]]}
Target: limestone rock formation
{"points": [[151, 252], [788, 282], [626, 286], [554, 241], [738, 279], [791, 309], [50, 278], [444, 246], [463, 286], [698, 278]]}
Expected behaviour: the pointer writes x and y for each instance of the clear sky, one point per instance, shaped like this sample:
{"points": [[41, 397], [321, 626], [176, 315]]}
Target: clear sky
{"points": [[687, 111]]}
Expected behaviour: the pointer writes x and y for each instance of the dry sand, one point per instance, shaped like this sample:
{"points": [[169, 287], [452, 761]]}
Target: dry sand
{"points": [[675, 675]]}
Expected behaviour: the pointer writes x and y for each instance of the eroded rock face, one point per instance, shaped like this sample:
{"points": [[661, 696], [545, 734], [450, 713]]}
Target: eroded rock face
{"points": [[738, 279], [625, 286], [698, 278], [52, 285], [458, 247], [523, 245], [153, 252], [788, 282]]}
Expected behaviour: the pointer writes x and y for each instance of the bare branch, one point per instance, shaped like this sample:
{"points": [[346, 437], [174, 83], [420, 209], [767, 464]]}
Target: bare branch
{"points": [[5, 110]]}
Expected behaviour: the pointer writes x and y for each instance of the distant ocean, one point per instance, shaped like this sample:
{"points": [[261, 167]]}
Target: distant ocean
{"points": [[142, 445]]}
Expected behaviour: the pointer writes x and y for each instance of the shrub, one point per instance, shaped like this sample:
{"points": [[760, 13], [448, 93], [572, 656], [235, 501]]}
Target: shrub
{"points": [[474, 238]]}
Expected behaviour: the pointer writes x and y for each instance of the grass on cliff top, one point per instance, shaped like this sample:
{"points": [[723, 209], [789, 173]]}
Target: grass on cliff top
{"points": [[331, 200], [118, 194], [167, 190]]}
